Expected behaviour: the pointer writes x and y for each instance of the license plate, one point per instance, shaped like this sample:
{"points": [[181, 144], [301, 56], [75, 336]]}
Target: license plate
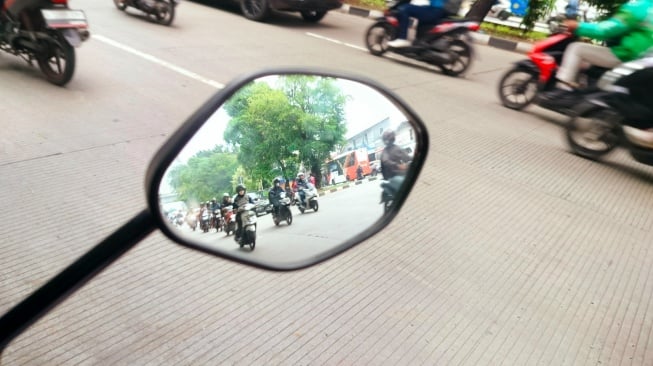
{"points": [[64, 18]]}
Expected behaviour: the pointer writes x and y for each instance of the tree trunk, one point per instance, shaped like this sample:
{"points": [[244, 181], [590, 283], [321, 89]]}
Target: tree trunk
{"points": [[479, 10]]}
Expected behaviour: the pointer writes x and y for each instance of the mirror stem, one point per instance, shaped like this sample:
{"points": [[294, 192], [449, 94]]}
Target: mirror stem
{"points": [[73, 277]]}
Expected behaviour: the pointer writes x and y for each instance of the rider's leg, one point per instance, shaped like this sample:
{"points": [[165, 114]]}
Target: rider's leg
{"points": [[239, 227], [424, 14], [579, 52]]}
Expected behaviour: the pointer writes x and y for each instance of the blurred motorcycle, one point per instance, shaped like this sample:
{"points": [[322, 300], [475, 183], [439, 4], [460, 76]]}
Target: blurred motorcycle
{"points": [[284, 210], [310, 198], [161, 11], [248, 230], [447, 45], [45, 31], [229, 220], [390, 188], [616, 114], [191, 220]]}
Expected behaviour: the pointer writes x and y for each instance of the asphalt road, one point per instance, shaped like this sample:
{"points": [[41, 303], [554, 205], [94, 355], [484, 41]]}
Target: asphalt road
{"points": [[509, 250]]}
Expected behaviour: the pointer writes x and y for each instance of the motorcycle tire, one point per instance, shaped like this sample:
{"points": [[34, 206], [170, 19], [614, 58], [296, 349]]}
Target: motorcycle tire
{"points": [[256, 10], [463, 58], [165, 13], [312, 16], [251, 238], [377, 37], [315, 206], [509, 90], [387, 205], [289, 218], [594, 132], [57, 61], [120, 4]]}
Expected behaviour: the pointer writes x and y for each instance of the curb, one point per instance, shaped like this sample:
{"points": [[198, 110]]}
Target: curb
{"points": [[329, 190], [479, 38]]}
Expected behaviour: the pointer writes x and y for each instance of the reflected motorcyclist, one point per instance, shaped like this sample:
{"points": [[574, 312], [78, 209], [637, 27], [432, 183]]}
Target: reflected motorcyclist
{"points": [[301, 184], [240, 200], [226, 200], [394, 160], [274, 195]]}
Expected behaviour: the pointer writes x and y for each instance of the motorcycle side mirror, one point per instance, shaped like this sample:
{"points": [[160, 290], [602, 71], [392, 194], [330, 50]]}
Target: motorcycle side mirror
{"points": [[278, 123], [258, 127]]}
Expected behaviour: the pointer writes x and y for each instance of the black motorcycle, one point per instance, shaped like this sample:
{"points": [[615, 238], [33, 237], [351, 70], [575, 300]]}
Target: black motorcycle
{"points": [[45, 31], [447, 45], [616, 115], [283, 208], [161, 11], [390, 188]]}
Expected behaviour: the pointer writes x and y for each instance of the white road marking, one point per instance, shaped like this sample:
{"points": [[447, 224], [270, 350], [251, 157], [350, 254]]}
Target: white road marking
{"points": [[158, 61], [336, 41]]}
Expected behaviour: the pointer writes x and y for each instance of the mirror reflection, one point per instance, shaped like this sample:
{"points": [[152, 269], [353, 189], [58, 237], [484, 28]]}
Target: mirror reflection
{"points": [[288, 168]]}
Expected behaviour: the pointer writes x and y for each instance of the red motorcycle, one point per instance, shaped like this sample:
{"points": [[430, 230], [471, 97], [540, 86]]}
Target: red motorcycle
{"points": [[229, 220], [446, 45], [45, 31], [527, 79]]}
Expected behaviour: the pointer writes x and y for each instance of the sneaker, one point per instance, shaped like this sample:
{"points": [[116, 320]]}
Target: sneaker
{"points": [[399, 43]]}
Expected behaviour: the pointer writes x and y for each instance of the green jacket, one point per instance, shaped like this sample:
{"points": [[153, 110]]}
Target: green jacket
{"points": [[633, 22]]}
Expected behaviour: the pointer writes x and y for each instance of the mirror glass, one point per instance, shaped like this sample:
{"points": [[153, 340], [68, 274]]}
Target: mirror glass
{"points": [[267, 135]]}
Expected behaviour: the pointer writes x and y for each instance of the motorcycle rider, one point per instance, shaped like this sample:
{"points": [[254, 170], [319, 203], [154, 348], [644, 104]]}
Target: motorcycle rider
{"points": [[394, 160], [632, 23], [240, 200], [432, 13], [226, 199], [301, 185], [274, 196]]}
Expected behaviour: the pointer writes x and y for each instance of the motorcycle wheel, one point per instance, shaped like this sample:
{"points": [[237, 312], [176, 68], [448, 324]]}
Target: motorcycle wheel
{"points": [[256, 10], [594, 132], [252, 240], [377, 37], [165, 12], [120, 4], [301, 208], [517, 94], [289, 218], [315, 206], [463, 53], [313, 16], [57, 61], [387, 205]]}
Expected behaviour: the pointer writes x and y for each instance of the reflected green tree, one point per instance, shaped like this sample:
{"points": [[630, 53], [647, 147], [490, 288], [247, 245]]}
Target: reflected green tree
{"points": [[206, 175], [297, 122]]}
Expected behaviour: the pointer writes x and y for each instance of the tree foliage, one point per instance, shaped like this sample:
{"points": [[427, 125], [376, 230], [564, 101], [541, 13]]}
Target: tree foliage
{"points": [[206, 175], [278, 129]]}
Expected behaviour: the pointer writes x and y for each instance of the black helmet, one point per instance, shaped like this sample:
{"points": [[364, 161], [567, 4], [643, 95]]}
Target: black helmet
{"points": [[276, 181], [388, 137], [241, 187]]}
